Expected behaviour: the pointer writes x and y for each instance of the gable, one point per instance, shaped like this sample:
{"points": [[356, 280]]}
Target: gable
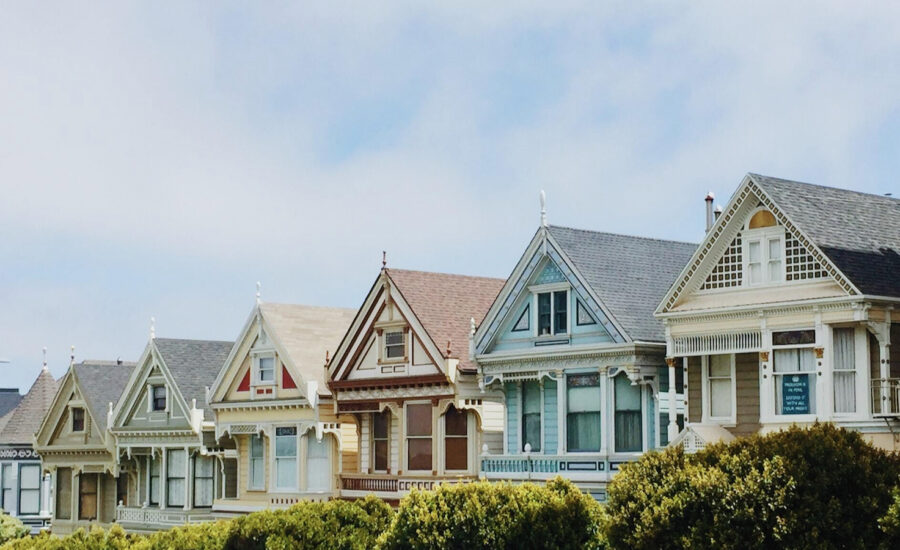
{"points": [[135, 411], [513, 322], [56, 429], [753, 254]]}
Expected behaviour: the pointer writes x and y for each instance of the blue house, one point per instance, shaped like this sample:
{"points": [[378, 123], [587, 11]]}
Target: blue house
{"points": [[572, 343]]}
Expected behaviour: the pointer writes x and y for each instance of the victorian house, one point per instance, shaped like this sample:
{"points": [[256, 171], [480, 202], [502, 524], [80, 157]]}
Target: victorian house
{"points": [[784, 314], [77, 450], [572, 344], [163, 430], [279, 438], [403, 373], [24, 491]]}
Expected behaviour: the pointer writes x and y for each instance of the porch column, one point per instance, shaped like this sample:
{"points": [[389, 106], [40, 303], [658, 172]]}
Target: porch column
{"points": [[684, 395], [673, 414], [188, 478], [45, 495], [560, 412], [163, 479]]}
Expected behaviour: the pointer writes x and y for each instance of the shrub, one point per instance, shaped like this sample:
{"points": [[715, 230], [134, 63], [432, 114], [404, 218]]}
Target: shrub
{"points": [[819, 487], [890, 523], [496, 515], [198, 536], [11, 528], [95, 539]]}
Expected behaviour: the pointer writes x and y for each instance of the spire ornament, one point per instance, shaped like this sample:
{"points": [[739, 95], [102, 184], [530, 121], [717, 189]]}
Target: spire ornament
{"points": [[543, 209], [258, 293], [44, 368], [153, 328]]}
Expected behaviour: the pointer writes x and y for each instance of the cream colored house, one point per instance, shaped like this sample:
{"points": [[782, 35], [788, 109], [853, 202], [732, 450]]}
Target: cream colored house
{"points": [[404, 373], [78, 451], [786, 315], [280, 439]]}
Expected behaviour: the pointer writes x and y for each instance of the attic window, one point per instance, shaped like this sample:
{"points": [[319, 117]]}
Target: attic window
{"points": [[78, 419], [158, 394], [265, 369], [394, 344], [553, 312]]}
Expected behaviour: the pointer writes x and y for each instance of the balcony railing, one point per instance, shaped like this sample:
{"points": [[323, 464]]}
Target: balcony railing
{"points": [[392, 485], [526, 466], [886, 397], [156, 518]]}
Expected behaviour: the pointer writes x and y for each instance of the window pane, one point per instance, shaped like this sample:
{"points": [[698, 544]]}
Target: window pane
{"points": [[531, 397], [154, 490], [775, 270], [257, 471], [786, 360], [64, 493], [795, 394], [176, 465], [544, 313], [456, 453], [720, 365], [286, 473], [753, 251], [381, 421], [418, 419], [531, 431], [628, 396], [560, 308], [583, 393], [755, 273], [774, 249], [394, 344], [285, 445], [844, 392], [381, 455], [30, 476], [629, 431], [419, 454], [256, 446], [583, 431], [30, 501], [175, 492], [720, 398], [455, 422], [203, 492]]}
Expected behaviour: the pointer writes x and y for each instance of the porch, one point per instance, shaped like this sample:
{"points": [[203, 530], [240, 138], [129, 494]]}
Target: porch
{"points": [[392, 486], [885, 394], [597, 468], [148, 519]]}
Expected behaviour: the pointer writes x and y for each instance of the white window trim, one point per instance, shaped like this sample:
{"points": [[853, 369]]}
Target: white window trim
{"points": [[273, 461], [762, 235], [612, 415], [727, 421], [250, 485], [382, 344], [405, 447], [390, 416], [470, 433], [770, 382], [535, 315], [522, 415], [563, 409], [256, 355], [150, 407], [861, 358]]}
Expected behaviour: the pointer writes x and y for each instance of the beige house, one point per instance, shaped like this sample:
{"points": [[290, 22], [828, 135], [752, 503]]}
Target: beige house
{"points": [[404, 373], [785, 315], [279, 437], [77, 450]]}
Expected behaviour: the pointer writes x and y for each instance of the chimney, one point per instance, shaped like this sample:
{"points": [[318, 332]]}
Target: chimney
{"points": [[717, 213], [710, 197]]}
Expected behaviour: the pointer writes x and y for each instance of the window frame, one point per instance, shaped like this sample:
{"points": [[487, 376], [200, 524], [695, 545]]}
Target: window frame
{"points": [[172, 475], [407, 437], [763, 236], [154, 398], [195, 478], [404, 333], [275, 488], [706, 411], [771, 387], [76, 428], [386, 439], [465, 437], [19, 489], [522, 414], [258, 357], [614, 412], [603, 388], [81, 494], [260, 484], [861, 365], [552, 289]]}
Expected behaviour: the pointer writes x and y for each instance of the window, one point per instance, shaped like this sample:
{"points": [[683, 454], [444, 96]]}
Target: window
{"points": [[418, 436], [628, 423], [318, 462], [456, 437], [583, 317], [765, 258], [395, 344], [794, 372], [257, 462], [154, 479], [286, 458], [29, 489], [664, 427], [176, 472], [266, 369], [719, 386], [78, 419], [531, 415], [7, 481], [64, 493], [381, 428], [553, 317], [844, 371], [87, 496], [203, 481], [159, 398], [583, 399]]}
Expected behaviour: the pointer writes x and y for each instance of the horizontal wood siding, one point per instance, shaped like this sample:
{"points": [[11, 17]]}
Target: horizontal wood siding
{"points": [[492, 427], [512, 415], [550, 416], [747, 390], [695, 386]]}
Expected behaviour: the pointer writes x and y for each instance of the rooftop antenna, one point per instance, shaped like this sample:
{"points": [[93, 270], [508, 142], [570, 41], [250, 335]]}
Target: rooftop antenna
{"points": [[543, 209], [44, 368], [383, 259], [153, 328], [258, 287]]}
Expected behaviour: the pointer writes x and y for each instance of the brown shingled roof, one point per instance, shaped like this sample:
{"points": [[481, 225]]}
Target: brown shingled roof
{"points": [[26, 418], [445, 305]]}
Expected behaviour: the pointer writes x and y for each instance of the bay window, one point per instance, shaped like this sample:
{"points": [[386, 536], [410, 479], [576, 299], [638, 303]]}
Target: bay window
{"points": [[381, 423], [286, 458], [176, 474], [257, 464], [203, 481], [418, 436], [531, 415], [456, 439], [583, 402], [844, 370], [628, 422], [794, 366]]}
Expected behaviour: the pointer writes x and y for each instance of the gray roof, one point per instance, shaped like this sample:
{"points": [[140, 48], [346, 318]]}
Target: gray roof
{"points": [[859, 232], [630, 275], [23, 421], [194, 365], [9, 398], [101, 383]]}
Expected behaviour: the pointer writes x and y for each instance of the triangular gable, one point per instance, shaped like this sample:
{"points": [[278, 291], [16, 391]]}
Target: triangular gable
{"points": [[385, 310], [132, 410], [542, 263], [711, 266], [54, 426]]}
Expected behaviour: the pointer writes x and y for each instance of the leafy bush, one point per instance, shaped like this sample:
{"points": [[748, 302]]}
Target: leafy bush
{"points": [[496, 515], [11, 528], [819, 487], [95, 539], [199, 536]]}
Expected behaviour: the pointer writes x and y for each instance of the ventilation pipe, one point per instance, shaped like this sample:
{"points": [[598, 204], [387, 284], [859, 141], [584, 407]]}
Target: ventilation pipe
{"points": [[710, 197], [717, 213]]}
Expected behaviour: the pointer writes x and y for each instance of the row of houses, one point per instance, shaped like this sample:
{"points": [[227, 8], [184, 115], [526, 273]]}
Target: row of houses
{"points": [[596, 349]]}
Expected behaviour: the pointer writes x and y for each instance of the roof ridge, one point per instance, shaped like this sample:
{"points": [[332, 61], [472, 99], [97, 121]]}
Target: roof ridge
{"points": [[193, 340], [310, 306], [391, 269], [637, 237], [755, 175]]}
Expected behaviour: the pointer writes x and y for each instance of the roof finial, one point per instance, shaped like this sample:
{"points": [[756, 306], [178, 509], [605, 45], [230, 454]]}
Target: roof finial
{"points": [[543, 209], [383, 259], [448, 348], [258, 287], [72, 357], [45, 360], [327, 357], [472, 326], [152, 328]]}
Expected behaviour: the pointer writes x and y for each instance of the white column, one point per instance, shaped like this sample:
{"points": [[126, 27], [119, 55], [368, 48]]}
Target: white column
{"points": [[673, 414], [188, 478], [76, 490], [45, 495], [163, 479], [684, 394]]}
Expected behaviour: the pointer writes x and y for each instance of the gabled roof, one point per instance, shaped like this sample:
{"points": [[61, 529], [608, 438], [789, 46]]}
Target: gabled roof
{"points": [[23, 421], [859, 232], [9, 399], [445, 304], [193, 365], [306, 333], [629, 274], [101, 383]]}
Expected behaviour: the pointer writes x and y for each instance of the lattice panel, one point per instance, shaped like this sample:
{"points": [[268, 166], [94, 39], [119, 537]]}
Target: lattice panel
{"points": [[728, 272], [799, 263]]}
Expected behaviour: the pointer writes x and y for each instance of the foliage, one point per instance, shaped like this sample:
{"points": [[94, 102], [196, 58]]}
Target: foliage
{"points": [[890, 523], [819, 487], [95, 539], [11, 528], [496, 515]]}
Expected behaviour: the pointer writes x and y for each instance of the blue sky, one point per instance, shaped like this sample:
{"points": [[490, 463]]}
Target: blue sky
{"points": [[159, 160]]}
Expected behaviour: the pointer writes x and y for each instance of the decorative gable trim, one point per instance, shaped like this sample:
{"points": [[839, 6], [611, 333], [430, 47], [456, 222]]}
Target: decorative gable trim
{"points": [[245, 382], [286, 381], [722, 234], [127, 403]]}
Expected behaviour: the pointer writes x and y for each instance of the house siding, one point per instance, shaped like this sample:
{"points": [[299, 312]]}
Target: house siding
{"points": [[551, 437], [695, 388], [747, 391], [512, 415]]}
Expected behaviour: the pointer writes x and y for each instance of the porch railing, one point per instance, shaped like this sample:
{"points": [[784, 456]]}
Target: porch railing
{"points": [[153, 518], [886, 397], [368, 483], [393, 484]]}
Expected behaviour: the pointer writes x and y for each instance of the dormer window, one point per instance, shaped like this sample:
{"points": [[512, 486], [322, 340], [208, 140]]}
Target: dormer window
{"points": [[77, 419], [158, 398], [764, 249], [394, 344], [265, 369], [553, 312]]}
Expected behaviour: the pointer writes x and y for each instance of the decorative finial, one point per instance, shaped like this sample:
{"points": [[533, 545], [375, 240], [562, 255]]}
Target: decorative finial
{"points": [[72, 356], [383, 259], [45, 360], [258, 286], [152, 328], [543, 209], [472, 326], [448, 348]]}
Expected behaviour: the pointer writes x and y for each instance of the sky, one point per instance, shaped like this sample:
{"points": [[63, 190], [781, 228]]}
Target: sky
{"points": [[158, 159]]}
